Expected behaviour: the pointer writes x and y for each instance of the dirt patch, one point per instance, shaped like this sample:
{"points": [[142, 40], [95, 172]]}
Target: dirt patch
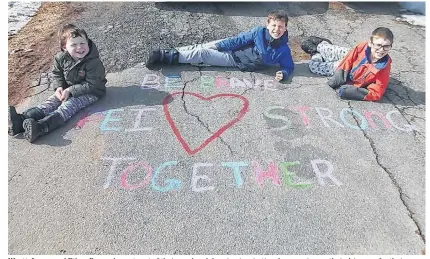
{"points": [[296, 51], [336, 6], [32, 49]]}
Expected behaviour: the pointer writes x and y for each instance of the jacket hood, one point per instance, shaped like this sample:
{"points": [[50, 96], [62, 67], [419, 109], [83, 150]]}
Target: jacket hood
{"points": [[93, 52]]}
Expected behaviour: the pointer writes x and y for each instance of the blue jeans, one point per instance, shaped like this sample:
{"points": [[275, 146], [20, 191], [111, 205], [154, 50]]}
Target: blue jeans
{"points": [[205, 54]]}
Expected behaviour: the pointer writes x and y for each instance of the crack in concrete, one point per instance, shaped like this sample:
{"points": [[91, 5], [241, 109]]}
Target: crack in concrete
{"points": [[403, 115], [198, 117], [402, 195], [10, 179]]}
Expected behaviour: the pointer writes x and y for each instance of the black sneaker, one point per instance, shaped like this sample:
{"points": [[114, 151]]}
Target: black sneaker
{"points": [[15, 122], [154, 58], [310, 44], [32, 129], [309, 47], [317, 40]]}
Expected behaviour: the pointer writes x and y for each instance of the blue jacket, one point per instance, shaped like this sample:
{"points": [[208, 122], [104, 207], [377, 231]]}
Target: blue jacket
{"points": [[256, 49]]}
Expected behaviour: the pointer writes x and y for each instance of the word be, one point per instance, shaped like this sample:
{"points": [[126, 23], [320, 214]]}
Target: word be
{"points": [[366, 118], [171, 184], [152, 81]]}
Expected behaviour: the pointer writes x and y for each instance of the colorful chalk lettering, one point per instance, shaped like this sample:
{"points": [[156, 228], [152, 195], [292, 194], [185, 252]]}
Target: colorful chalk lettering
{"points": [[365, 119], [323, 170], [171, 184], [288, 176], [236, 171]]}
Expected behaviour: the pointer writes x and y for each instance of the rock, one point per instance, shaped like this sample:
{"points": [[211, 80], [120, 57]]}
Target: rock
{"points": [[110, 27], [35, 83], [15, 51], [44, 81], [28, 50]]}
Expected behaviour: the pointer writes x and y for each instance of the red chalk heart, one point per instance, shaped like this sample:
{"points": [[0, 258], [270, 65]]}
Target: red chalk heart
{"points": [[245, 105]]}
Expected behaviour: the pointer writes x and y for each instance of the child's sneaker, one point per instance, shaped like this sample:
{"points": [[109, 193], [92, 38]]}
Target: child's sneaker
{"points": [[15, 121], [310, 44]]}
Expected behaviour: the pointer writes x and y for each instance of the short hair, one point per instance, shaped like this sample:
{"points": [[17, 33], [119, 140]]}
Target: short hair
{"points": [[382, 32], [278, 15], [68, 31]]}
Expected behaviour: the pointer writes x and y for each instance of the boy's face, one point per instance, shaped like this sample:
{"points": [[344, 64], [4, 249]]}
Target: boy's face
{"points": [[77, 47], [276, 28], [379, 47]]}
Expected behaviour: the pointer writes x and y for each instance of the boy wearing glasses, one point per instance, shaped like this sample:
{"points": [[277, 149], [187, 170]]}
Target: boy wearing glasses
{"points": [[363, 73]]}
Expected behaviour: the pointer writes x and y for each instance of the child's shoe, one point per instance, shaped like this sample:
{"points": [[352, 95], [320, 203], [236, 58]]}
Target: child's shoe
{"points": [[310, 44], [34, 129], [154, 58], [164, 56], [15, 121], [317, 40]]}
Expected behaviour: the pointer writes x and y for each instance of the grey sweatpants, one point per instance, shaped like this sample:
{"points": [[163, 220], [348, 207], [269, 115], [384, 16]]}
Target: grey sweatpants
{"points": [[203, 54], [68, 108], [327, 59]]}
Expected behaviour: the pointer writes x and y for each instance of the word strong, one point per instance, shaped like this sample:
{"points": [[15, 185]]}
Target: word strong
{"points": [[277, 174]]}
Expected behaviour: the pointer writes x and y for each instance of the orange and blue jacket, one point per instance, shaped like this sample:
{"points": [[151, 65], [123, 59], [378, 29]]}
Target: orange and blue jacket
{"points": [[359, 78]]}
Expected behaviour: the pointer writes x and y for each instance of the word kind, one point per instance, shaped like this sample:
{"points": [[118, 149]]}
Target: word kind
{"points": [[207, 82], [200, 182]]}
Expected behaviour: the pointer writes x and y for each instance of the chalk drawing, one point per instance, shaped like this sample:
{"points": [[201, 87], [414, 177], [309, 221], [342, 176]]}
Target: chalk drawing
{"points": [[365, 118], [241, 113], [150, 81], [196, 178], [288, 176], [277, 117], [115, 162], [132, 167], [363, 121], [139, 118], [407, 127], [94, 113], [207, 83], [173, 81], [328, 117], [369, 114], [109, 119], [172, 184], [236, 171], [302, 110], [327, 174], [271, 173], [199, 182]]}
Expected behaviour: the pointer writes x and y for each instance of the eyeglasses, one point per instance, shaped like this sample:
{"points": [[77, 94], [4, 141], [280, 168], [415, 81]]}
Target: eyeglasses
{"points": [[385, 47]]}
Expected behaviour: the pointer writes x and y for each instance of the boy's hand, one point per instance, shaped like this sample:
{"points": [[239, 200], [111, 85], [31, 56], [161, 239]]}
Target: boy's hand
{"points": [[59, 93], [279, 76], [65, 95]]}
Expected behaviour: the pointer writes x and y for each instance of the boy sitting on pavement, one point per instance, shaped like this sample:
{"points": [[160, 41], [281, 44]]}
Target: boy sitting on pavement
{"points": [[78, 79], [249, 51], [363, 73]]}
